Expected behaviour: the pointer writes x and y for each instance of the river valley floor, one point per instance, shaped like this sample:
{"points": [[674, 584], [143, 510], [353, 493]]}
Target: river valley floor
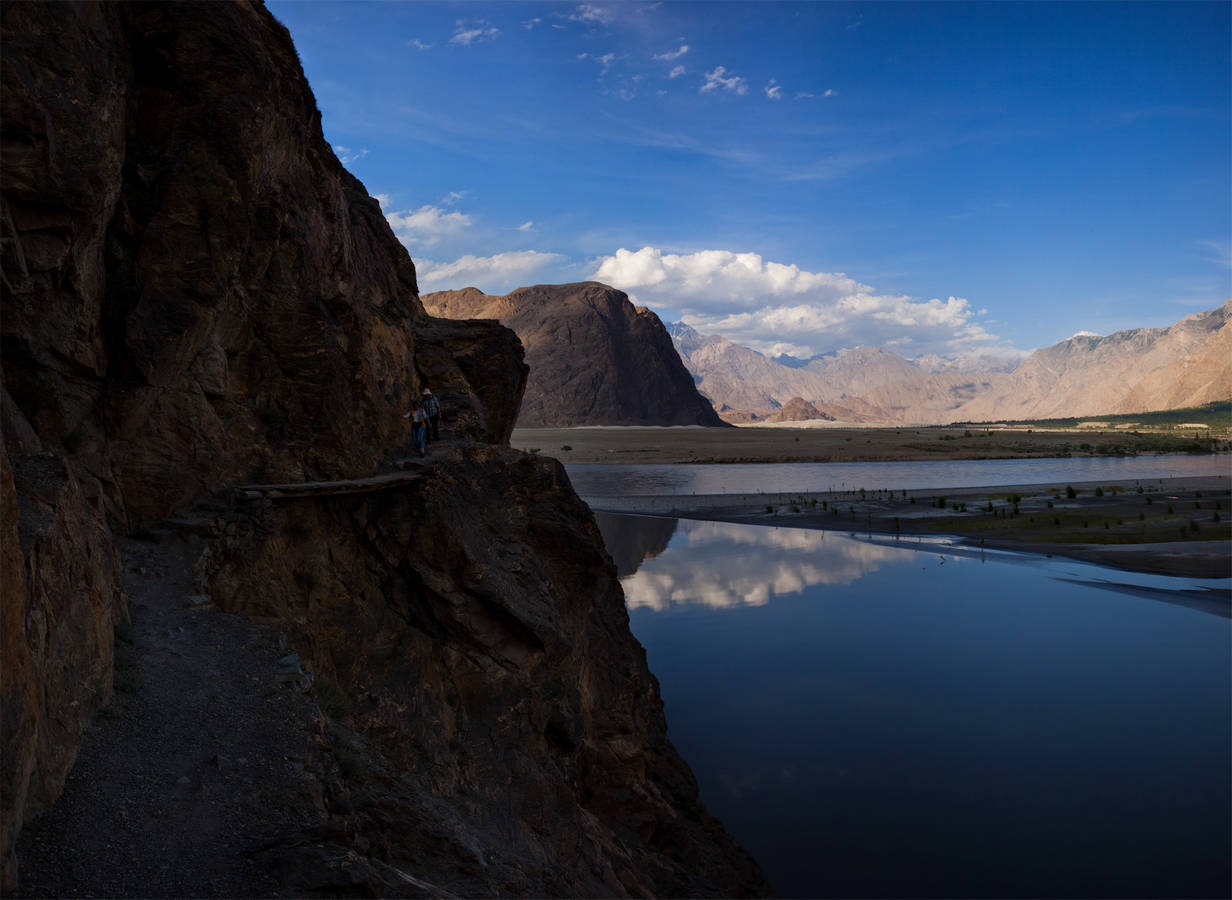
{"points": [[1169, 525], [1169, 529], [645, 445]]}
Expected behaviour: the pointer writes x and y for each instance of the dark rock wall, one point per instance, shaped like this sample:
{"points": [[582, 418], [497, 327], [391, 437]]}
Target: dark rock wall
{"points": [[194, 294], [481, 635], [193, 291], [595, 358], [196, 291], [60, 598]]}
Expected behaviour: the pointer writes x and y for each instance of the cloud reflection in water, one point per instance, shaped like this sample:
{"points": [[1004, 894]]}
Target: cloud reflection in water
{"points": [[729, 566]]}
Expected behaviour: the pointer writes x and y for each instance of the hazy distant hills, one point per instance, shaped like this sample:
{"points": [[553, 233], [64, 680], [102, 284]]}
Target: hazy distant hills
{"points": [[595, 358], [864, 384], [1141, 369], [1136, 370]]}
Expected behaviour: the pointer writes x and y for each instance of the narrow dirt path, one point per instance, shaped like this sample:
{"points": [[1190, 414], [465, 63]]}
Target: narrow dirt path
{"points": [[205, 756]]}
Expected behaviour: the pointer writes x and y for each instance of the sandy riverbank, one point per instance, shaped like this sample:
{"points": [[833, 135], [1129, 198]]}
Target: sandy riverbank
{"points": [[1172, 526], [640, 445]]}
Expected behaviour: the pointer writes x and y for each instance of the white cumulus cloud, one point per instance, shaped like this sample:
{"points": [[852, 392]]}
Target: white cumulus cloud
{"points": [[774, 90], [417, 44], [526, 226], [676, 72], [500, 272], [719, 78], [424, 226], [776, 307]]}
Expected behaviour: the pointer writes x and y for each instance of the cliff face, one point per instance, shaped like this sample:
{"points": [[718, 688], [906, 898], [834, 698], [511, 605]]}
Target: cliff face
{"points": [[195, 294], [484, 648], [595, 358], [60, 598], [197, 291]]}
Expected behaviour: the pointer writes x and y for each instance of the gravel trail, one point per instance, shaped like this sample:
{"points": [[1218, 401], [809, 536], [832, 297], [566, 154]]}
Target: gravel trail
{"points": [[205, 757]]}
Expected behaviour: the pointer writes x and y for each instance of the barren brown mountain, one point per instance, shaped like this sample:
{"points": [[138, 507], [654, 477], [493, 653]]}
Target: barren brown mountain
{"points": [[1137, 370], [595, 358], [799, 410]]}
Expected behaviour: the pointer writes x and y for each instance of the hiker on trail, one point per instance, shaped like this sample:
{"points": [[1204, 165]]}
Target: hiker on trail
{"points": [[419, 421], [433, 411]]}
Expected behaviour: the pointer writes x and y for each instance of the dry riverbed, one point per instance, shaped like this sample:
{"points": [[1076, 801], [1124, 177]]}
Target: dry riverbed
{"points": [[1175, 526]]}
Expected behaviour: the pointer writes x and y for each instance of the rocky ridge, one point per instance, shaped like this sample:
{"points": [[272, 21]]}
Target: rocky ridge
{"points": [[1138, 370], [196, 294], [595, 358]]}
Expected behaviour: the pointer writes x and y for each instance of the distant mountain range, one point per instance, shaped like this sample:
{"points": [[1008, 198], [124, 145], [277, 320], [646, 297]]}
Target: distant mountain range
{"points": [[595, 358], [1136, 370]]}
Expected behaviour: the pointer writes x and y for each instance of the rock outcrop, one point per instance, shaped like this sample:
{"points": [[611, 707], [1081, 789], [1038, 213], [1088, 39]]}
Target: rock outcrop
{"points": [[196, 290], [197, 294], [595, 358], [517, 741], [797, 409]]}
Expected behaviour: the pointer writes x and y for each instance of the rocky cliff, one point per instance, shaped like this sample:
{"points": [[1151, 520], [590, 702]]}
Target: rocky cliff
{"points": [[195, 294], [595, 358], [485, 653]]}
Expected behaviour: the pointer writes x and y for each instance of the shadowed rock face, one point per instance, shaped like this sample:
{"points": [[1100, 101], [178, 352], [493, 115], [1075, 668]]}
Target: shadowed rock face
{"points": [[595, 358], [533, 760], [60, 598], [195, 294], [196, 290]]}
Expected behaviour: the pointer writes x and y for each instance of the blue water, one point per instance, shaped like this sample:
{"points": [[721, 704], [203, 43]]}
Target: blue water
{"points": [[608, 481], [879, 718]]}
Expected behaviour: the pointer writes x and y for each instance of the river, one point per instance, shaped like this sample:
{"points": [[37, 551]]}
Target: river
{"points": [[873, 717], [609, 481]]}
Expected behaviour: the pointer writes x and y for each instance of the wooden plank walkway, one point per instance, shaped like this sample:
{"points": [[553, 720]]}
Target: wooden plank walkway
{"points": [[413, 471]]}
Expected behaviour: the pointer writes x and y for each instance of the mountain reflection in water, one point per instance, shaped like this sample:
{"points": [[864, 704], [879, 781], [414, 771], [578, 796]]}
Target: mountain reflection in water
{"points": [[631, 540], [874, 717]]}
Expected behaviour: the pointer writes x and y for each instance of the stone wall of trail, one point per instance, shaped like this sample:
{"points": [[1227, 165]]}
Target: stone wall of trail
{"points": [[196, 294]]}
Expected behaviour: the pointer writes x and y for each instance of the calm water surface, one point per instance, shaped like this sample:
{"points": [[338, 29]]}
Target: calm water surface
{"points": [[611, 481], [881, 718]]}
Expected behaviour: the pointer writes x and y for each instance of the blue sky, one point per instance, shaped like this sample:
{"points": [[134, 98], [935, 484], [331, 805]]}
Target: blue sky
{"points": [[800, 177]]}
